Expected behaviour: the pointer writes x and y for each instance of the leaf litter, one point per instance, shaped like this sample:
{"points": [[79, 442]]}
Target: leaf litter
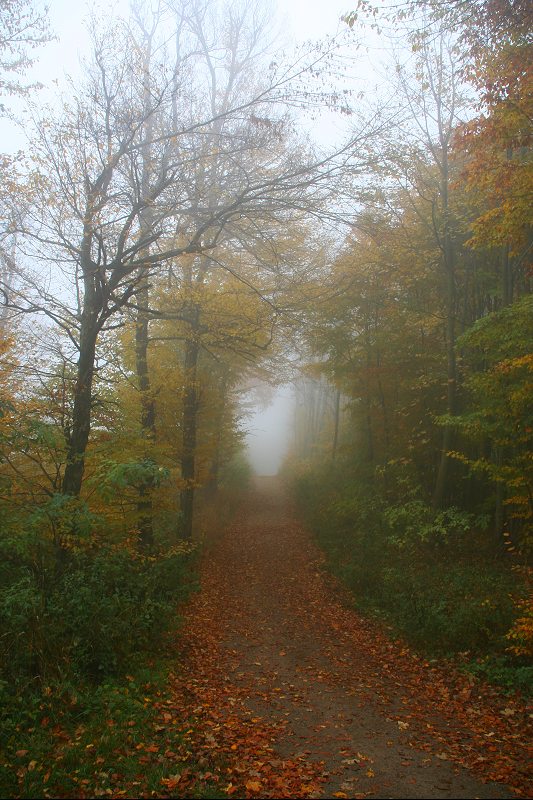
{"points": [[282, 690]]}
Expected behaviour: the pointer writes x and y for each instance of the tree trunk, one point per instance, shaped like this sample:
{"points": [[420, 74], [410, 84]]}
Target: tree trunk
{"points": [[441, 483], [81, 413], [336, 425], [499, 509], [370, 453], [190, 429], [144, 504], [506, 278], [212, 483]]}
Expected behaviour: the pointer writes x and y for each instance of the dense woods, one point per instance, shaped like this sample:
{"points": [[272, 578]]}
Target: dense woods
{"points": [[416, 402], [170, 234]]}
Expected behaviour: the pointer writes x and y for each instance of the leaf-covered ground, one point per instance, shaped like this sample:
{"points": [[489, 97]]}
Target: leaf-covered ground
{"points": [[293, 694], [284, 691]]}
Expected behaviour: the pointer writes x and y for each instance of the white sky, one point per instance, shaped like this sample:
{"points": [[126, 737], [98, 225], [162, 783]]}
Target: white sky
{"points": [[307, 19], [300, 19]]}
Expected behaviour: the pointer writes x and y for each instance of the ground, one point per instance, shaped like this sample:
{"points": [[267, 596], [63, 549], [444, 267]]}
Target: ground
{"points": [[289, 692]]}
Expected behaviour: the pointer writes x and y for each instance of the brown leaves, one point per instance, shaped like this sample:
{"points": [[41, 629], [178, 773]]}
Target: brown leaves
{"points": [[171, 782], [243, 703]]}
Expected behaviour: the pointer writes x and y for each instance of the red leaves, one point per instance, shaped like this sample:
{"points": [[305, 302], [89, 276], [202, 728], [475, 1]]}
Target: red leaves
{"points": [[172, 782]]}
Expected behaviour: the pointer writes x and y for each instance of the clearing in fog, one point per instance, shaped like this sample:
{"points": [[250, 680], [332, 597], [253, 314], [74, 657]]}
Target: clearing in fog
{"points": [[269, 432]]}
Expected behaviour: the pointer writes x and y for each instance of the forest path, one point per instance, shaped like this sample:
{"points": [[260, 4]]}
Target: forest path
{"points": [[301, 697]]}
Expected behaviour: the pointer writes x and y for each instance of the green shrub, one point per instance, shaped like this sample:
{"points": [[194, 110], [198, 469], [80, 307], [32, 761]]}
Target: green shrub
{"points": [[449, 607], [431, 574], [88, 618], [511, 673], [236, 474], [112, 607]]}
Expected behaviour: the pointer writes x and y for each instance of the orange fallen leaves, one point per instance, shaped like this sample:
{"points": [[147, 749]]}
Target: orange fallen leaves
{"points": [[226, 716], [171, 782]]}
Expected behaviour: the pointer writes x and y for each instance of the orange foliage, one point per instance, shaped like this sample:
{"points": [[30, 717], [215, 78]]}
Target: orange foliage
{"points": [[497, 144]]}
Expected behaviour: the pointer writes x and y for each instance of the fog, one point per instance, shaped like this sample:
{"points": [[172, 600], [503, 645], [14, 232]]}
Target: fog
{"points": [[269, 432]]}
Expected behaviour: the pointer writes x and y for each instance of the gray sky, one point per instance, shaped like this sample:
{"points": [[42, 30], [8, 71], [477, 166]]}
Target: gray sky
{"points": [[307, 19], [300, 19]]}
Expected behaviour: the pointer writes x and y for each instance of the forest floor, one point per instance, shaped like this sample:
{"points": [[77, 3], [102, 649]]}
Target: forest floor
{"points": [[280, 689], [292, 694]]}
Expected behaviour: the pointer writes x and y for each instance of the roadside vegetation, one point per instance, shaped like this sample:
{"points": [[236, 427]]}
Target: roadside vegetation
{"points": [[432, 577]]}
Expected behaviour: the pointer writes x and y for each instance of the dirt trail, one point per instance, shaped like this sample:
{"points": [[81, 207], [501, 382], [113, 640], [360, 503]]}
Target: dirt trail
{"points": [[304, 698]]}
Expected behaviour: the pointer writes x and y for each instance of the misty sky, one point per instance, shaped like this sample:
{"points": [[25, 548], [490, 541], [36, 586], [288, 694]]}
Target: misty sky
{"points": [[300, 19], [269, 433]]}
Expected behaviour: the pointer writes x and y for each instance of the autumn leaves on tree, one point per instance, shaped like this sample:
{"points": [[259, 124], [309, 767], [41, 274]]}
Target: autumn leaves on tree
{"points": [[154, 199], [427, 330]]}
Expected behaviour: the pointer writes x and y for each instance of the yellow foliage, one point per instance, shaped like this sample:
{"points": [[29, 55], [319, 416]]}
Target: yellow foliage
{"points": [[521, 634]]}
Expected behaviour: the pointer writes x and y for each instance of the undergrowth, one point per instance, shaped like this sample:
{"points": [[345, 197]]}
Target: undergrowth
{"points": [[434, 576], [88, 635], [81, 740]]}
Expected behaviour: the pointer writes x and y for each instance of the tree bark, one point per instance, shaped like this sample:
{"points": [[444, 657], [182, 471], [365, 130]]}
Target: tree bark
{"points": [[148, 431], [81, 414], [144, 504], [212, 484], [336, 424], [448, 260], [190, 430]]}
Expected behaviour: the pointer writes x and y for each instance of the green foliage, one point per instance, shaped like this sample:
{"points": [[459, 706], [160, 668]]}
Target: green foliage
{"points": [[413, 523], [498, 416], [63, 516], [512, 674], [428, 573], [236, 473], [138, 475], [111, 607], [503, 334], [81, 612], [449, 608], [96, 722]]}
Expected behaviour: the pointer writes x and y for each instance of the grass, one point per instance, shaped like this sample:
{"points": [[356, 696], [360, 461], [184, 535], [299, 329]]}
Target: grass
{"points": [[124, 738]]}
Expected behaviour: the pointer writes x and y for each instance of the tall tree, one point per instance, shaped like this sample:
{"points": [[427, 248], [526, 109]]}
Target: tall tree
{"points": [[416, 156], [94, 195]]}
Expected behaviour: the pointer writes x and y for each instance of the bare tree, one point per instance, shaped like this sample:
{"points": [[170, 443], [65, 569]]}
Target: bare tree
{"points": [[22, 29]]}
